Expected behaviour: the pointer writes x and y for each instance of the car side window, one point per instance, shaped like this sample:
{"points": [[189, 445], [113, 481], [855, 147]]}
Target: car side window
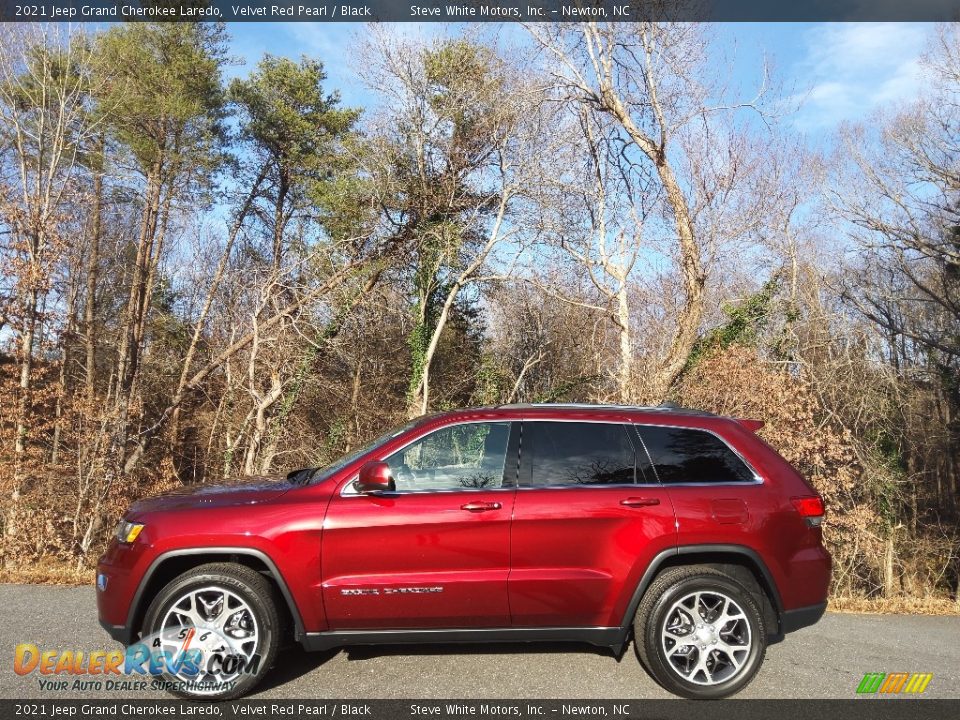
{"points": [[687, 455], [578, 453], [457, 457]]}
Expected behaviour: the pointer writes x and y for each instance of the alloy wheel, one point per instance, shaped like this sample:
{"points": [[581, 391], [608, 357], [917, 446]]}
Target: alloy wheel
{"points": [[706, 638]]}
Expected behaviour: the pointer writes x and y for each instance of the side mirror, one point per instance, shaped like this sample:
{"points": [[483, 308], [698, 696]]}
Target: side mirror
{"points": [[375, 477]]}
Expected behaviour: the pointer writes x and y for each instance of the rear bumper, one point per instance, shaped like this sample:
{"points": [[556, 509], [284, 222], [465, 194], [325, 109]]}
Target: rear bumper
{"points": [[792, 620], [117, 632]]}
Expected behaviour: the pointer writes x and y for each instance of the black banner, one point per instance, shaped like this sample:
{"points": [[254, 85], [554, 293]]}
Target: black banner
{"points": [[858, 709], [477, 10]]}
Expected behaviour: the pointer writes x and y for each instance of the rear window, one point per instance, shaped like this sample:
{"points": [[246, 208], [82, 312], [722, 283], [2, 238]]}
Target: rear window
{"points": [[686, 455]]}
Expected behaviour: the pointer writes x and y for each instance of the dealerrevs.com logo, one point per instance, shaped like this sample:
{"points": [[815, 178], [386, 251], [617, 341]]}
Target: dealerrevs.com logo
{"points": [[900, 683], [186, 659]]}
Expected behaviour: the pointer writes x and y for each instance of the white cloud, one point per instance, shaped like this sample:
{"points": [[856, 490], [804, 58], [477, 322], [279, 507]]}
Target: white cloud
{"points": [[850, 69]]}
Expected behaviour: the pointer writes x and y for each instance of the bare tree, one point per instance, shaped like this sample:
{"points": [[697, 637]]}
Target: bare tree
{"points": [[456, 137], [593, 209], [900, 192], [46, 119], [652, 80]]}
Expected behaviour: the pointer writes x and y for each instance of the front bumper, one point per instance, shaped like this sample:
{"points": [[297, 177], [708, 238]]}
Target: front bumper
{"points": [[118, 575]]}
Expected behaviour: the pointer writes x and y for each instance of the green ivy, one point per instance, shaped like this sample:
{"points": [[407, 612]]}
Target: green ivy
{"points": [[746, 321]]}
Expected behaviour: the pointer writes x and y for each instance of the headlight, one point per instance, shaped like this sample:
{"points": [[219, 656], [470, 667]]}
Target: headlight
{"points": [[127, 531]]}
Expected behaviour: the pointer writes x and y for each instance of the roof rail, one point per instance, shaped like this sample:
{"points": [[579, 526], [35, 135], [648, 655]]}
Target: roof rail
{"points": [[663, 407]]}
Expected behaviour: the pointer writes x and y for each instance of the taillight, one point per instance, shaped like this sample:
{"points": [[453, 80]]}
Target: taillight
{"points": [[810, 508]]}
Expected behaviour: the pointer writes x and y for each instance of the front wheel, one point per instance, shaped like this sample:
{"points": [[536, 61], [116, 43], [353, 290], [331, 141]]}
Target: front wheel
{"points": [[700, 633], [216, 630]]}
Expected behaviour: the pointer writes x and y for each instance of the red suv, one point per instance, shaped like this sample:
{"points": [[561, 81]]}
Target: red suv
{"points": [[519, 522]]}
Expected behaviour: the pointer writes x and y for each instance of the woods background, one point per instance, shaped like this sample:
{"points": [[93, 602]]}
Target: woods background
{"points": [[203, 279]]}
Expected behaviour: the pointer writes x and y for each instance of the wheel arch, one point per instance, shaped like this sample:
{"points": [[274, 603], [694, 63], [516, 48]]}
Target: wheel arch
{"points": [[168, 565], [742, 562]]}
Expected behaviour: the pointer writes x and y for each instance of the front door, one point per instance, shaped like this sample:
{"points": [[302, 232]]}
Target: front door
{"points": [[435, 553], [588, 519]]}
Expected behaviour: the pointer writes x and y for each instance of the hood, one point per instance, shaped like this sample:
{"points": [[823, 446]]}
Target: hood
{"points": [[243, 491]]}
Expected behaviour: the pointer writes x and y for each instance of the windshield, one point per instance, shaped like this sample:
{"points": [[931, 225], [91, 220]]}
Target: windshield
{"points": [[321, 474]]}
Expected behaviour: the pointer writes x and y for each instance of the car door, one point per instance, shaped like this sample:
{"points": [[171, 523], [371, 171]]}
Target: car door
{"points": [[718, 497], [588, 518], [435, 553]]}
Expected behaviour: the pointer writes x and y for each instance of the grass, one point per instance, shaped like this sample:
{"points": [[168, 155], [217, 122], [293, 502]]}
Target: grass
{"points": [[48, 572], [896, 605]]}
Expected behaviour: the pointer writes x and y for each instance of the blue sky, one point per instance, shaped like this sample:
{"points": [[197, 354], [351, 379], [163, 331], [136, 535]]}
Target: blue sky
{"points": [[834, 72]]}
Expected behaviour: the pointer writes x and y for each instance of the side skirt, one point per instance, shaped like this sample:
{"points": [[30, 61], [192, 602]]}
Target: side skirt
{"points": [[610, 637]]}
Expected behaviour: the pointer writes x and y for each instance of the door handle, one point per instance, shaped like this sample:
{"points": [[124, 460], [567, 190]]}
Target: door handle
{"points": [[478, 506], [639, 501]]}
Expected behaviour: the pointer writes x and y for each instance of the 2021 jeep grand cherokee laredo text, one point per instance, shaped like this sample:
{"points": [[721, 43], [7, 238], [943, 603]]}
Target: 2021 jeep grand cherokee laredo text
{"points": [[536, 522]]}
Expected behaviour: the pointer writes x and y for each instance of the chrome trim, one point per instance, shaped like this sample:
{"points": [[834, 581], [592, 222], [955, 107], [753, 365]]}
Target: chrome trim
{"points": [[746, 483], [394, 493], [599, 421], [621, 486], [757, 478], [477, 631], [597, 486], [612, 637], [347, 490]]}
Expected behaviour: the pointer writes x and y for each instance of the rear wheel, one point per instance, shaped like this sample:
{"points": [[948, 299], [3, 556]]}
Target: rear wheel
{"points": [[221, 620], [700, 633]]}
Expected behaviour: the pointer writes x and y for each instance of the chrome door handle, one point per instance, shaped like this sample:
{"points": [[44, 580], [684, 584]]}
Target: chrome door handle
{"points": [[478, 506], [640, 502]]}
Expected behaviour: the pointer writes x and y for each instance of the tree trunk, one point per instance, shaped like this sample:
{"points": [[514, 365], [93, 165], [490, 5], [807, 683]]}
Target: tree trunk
{"points": [[694, 278], [63, 379], [127, 364], [93, 271], [625, 380], [147, 435], [261, 428], [25, 388], [279, 221], [423, 387], [889, 576], [211, 295]]}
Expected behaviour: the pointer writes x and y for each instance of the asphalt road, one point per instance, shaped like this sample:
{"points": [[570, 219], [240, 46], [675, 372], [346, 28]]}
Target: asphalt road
{"points": [[824, 661]]}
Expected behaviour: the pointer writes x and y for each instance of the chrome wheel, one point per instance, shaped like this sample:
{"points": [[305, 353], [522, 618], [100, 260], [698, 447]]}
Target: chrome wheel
{"points": [[221, 625], [706, 638]]}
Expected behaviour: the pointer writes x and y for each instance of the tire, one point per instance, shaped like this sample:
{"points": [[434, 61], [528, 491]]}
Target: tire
{"points": [[699, 633], [247, 606]]}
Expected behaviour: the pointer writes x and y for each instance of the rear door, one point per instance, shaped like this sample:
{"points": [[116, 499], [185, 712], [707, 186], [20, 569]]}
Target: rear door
{"points": [[718, 497], [435, 553], [588, 518]]}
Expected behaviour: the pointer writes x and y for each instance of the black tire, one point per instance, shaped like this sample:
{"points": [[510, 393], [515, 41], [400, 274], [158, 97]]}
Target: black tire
{"points": [[653, 613], [253, 589]]}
